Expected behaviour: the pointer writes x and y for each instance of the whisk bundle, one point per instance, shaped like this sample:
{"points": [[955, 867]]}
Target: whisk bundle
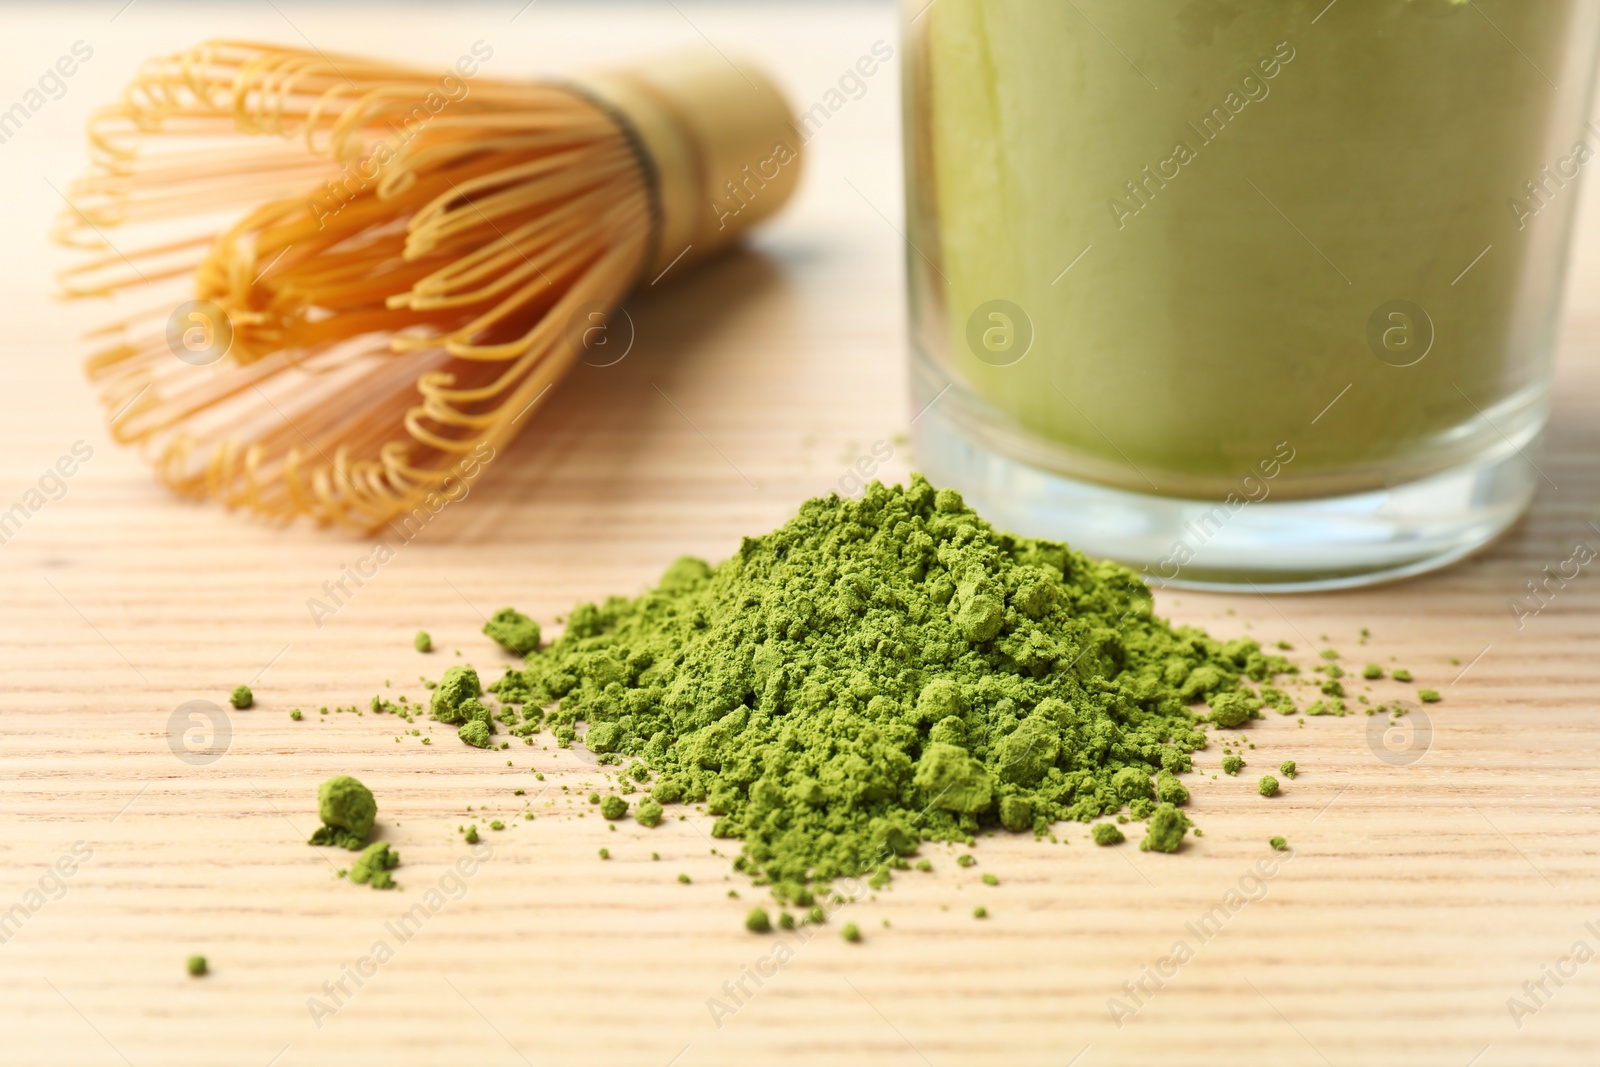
{"points": [[355, 274]]}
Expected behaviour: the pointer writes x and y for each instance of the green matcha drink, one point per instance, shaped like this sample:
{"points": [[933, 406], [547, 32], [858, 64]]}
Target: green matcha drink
{"points": [[1263, 247]]}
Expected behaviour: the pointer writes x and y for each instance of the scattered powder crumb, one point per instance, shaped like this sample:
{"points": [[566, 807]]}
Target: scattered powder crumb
{"points": [[372, 867]]}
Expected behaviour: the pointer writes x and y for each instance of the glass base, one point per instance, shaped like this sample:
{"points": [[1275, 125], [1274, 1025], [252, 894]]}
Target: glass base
{"points": [[1285, 546]]}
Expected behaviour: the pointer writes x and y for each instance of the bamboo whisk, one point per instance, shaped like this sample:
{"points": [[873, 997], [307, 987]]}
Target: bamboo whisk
{"points": [[355, 275]]}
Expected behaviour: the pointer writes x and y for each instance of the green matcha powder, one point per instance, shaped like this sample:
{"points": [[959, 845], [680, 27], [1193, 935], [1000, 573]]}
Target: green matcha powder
{"points": [[875, 674]]}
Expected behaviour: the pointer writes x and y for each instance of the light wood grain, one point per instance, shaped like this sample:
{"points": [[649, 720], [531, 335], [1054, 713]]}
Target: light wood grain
{"points": [[1418, 900]]}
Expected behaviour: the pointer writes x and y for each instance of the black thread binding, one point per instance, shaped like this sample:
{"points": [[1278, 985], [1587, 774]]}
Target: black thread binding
{"points": [[647, 165]]}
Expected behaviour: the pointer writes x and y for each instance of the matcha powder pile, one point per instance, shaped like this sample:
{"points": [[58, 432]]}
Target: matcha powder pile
{"points": [[885, 671]]}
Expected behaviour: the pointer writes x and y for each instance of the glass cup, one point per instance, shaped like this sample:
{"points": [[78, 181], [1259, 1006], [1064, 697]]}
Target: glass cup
{"points": [[1256, 294]]}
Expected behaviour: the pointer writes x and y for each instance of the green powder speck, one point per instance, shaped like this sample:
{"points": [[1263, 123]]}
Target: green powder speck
{"points": [[851, 932], [1278, 843], [605, 853], [1429, 696], [513, 631], [989, 879], [757, 921], [422, 642], [472, 834], [196, 966], [372, 867], [348, 811], [241, 697], [295, 715], [1400, 674], [1268, 786], [1372, 670], [1232, 764], [613, 807], [980, 912], [496, 824], [1287, 768], [684, 878], [1106, 833]]}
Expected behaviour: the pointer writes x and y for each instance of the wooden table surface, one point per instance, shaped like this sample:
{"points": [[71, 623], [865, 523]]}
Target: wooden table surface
{"points": [[1420, 898]]}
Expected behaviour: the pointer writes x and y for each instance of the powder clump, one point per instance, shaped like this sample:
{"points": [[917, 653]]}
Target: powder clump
{"points": [[348, 811], [1166, 830], [1234, 709], [459, 684], [513, 631], [886, 671], [648, 813]]}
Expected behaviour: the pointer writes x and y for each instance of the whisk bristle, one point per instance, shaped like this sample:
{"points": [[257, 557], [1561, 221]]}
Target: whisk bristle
{"points": [[395, 253]]}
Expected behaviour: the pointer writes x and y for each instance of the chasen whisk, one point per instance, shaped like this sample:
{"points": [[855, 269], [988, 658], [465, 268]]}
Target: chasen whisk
{"points": [[356, 277]]}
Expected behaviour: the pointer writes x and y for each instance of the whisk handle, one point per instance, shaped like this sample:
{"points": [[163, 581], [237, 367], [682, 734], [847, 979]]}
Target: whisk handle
{"points": [[717, 140]]}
